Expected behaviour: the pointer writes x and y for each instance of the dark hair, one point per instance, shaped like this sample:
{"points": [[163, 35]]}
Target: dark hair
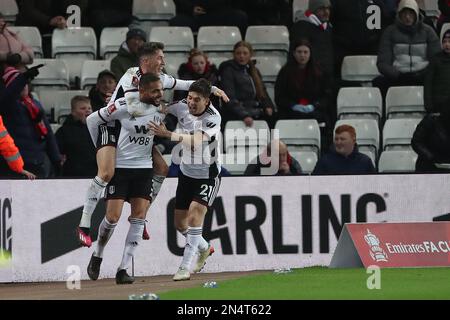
{"points": [[148, 78], [259, 86], [202, 87], [150, 48]]}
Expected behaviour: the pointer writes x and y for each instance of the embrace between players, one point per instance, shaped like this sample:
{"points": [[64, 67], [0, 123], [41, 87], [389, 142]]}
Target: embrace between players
{"points": [[132, 170]]}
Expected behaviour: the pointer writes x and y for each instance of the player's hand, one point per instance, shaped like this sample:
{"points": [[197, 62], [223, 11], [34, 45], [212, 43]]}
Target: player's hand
{"points": [[28, 174], [220, 93], [159, 129]]}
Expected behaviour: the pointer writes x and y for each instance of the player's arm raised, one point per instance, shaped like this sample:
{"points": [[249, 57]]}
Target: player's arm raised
{"points": [[190, 140]]}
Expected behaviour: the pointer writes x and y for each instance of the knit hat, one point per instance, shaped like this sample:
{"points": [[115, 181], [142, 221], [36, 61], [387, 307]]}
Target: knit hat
{"points": [[317, 4], [9, 75], [137, 33], [446, 35]]}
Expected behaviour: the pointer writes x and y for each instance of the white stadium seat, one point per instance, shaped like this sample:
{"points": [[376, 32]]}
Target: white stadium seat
{"points": [[175, 39], [405, 102], [32, 37], [367, 134], [359, 102], [218, 42], [10, 10], [269, 67], [392, 161], [300, 135], [56, 103], [359, 68], [54, 74], [90, 71], [173, 62], [268, 40], [298, 9], [110, 41], [153, 12], [238, 136], [397, 133], [307, 160]]}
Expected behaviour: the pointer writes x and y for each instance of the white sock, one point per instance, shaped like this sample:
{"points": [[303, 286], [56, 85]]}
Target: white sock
{"points": [[105, 231], [134, 236], [93, 195], [203, 244], [193, 240], [157, 182]]}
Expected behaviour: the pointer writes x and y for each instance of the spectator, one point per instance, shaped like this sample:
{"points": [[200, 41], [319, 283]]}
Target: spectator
{"points": [[242, 82], [437, 79], [301, 89], [74, 141], [344, 157], [109, 13], [431, 142], [286, 165], [198, 66], [266, 12], [351, 36], [26, 122], [104, 88], [314, 25], [128, 52], [444, 7], [48, 15], [198, 13], [11, 155], [406, 48], [12, 48]]}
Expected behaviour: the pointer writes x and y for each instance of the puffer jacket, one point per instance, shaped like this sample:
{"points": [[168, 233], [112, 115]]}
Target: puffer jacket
{"points": [[11, 43], [123, 61], [406, 49], [236, 81]]}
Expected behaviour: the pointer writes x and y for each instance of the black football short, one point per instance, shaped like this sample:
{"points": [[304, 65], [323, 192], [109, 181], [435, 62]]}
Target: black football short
{"points": [[130, 183], [203, 191]]}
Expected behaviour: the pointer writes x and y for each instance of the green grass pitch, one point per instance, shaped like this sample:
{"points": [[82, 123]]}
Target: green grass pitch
{"points": [[323, 283]]}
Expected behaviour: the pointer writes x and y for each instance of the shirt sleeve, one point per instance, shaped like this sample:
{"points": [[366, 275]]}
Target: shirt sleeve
{"points": [[173, 109], [211, 126]]}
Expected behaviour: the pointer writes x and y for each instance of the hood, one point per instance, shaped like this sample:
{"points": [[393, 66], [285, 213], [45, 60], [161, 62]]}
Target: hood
{"points": [[410, 4]]}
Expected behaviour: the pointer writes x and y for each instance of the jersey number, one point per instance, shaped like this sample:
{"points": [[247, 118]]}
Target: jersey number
{"points": [[205, 191], [142, 141]]}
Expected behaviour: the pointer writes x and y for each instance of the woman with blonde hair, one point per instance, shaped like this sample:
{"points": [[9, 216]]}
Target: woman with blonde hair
{"points": [[242, 82]]}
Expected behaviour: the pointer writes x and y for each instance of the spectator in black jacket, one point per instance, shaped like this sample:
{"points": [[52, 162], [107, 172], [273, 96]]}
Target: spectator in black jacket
{"points": [[243, 84], [104, 88], [74, 141], [431, 142], [198, 13], [284, 164], [198, 66], [315, 27], [437, 79], [266, 12], [27, 124], [444, 7], [344, 157], [109, 13]]}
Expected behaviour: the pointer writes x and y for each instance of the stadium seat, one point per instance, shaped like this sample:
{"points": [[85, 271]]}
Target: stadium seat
{"points": [[268, 40], [10, 10], [173, 62], [32, 37], [110, 41], [74, 45], [430, 7], [218, 42], [298, 9], [153, 12], [367, 134], [359, 102], [397, 133], [307, 160], [90, 71], [247, 137], [392, 161], [53, 74], [405, 102], [175, 39], [300, 135], [56, 103], [359, 68], [236, 161], [269, 67]]}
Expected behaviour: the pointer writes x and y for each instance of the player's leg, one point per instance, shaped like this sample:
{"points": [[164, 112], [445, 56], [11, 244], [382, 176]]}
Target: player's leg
{"points": [[106, 157], [105, 231], [139, 195]]}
